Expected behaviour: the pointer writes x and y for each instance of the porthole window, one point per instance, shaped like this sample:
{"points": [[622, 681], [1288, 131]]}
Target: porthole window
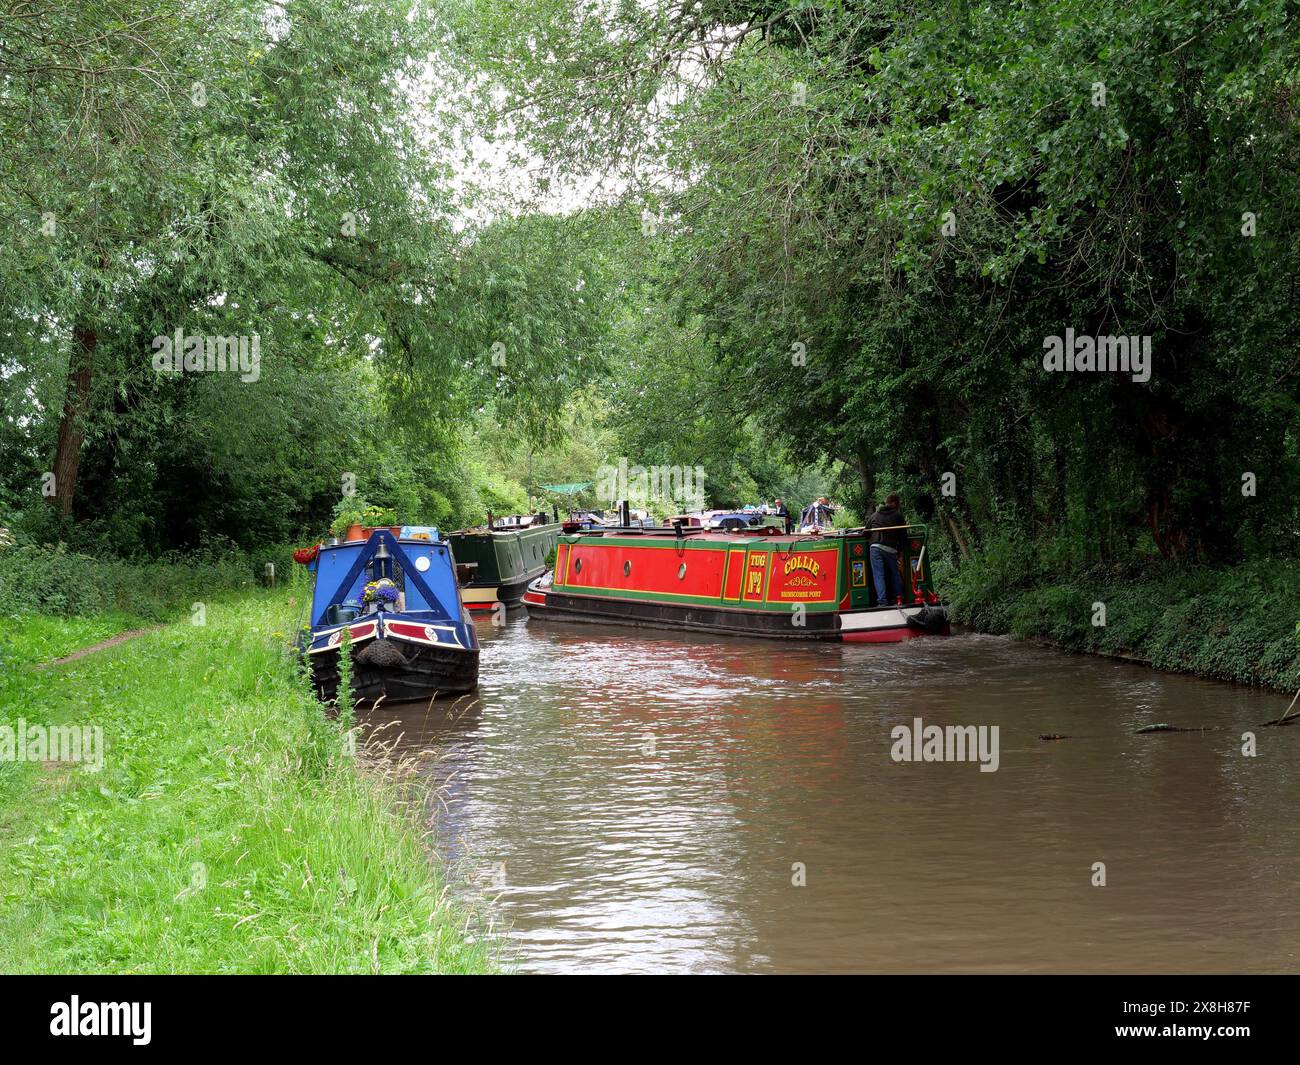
{"points": [[681, 572], [627, 568], [577, 566]]}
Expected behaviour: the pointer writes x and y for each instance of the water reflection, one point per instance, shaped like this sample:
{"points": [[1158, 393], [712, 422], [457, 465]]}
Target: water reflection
{"points": [[642, 798]]}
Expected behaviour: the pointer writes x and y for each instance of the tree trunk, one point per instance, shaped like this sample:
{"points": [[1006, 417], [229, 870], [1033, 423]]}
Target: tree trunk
{"points": [[957, 538], [72, 431], [867, 479]]}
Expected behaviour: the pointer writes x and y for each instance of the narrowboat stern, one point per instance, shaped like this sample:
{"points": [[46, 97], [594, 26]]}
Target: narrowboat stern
{"points": [[500, 560]]}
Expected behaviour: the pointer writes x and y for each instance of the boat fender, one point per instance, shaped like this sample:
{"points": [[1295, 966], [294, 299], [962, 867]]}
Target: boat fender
{"points": [[382, 653], [928, 619]]}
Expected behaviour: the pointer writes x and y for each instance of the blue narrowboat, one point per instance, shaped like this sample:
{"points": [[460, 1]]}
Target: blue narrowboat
{"points": [[399, 600]]}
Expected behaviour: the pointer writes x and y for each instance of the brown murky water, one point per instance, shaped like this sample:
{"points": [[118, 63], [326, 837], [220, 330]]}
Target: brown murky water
{"points": [[637, 801]]}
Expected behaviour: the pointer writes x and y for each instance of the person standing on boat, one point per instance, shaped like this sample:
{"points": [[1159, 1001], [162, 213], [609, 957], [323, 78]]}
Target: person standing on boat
{"points": [[888, 527], [783, 515]]}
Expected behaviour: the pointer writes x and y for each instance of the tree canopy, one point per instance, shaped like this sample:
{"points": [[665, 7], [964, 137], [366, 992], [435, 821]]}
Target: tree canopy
{"points": [[789, 243], [879, 214]]}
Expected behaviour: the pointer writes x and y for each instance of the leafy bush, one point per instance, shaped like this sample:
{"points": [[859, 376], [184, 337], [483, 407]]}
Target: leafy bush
{"points": [[54, 580], [1232, 624]]}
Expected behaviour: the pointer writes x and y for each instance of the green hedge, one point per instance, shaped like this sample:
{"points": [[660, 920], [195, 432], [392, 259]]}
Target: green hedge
{"points": [[54, 580], [1234, 623]]}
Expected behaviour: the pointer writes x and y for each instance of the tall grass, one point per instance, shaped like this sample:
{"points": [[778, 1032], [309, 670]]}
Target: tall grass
{"points": [[54, 580], [229, 830]]}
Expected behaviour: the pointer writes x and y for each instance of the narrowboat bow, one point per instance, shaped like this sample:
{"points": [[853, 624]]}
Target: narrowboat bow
{"points": [[753, 583], [398, 599]]}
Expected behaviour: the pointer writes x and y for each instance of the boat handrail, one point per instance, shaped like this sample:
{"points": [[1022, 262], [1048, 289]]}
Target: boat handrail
{"points": [[884, 528], [638, 530], [759, 532]]}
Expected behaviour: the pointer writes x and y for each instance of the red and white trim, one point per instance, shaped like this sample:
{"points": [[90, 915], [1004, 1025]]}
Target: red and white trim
{"points": [[417, 633], [877, 626], [363, 631]]}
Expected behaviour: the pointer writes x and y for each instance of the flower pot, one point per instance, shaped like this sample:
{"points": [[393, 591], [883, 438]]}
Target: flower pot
{"points": [[396, 530], [356, 532]]}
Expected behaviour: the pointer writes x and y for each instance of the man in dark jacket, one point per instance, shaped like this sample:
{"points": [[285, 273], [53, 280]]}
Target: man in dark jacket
{"points": [[888, 529], [782, 515]]}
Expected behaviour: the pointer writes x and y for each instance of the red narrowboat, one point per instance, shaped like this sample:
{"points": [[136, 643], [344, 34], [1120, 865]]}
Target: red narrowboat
{"points": [[756, 582]]}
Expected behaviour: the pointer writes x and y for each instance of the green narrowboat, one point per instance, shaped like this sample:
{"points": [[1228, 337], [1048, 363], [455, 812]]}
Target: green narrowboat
{"points": [[500, 562]]}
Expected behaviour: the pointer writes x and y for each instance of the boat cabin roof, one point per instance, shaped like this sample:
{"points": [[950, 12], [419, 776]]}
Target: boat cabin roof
{"points": [[699, 532], [750, 535]]}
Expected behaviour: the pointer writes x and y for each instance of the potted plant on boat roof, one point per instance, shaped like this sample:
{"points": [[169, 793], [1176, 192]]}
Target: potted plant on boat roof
{"points": [[355, 519], [349, 518], [377, 517]]}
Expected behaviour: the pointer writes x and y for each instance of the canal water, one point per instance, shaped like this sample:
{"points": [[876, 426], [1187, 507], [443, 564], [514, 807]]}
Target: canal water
{"points": [[643, 801]]}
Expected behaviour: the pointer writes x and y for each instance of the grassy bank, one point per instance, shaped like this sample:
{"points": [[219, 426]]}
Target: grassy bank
{"points": [[55, 581], [228, 830], [1234, 623]]}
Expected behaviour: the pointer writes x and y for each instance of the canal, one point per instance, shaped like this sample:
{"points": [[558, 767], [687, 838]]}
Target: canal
{"points": [[661, 802]]}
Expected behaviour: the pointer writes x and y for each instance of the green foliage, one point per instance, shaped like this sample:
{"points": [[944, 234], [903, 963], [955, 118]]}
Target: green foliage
{"points": [[227, 831], [350, 510], [1227, 623], [236, 170], [59, 582], [911, 198], [354, 510]]}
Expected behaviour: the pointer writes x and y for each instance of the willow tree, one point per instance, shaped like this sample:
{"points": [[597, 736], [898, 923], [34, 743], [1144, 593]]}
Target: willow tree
{"points": [[246, 167], [886, 210]]}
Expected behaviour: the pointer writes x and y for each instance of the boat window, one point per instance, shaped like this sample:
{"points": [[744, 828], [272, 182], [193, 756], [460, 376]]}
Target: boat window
{"points": [[681, 572], [577, 566], [627, 568]]}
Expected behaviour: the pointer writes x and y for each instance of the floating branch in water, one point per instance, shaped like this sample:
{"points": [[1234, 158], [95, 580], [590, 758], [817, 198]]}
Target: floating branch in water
{"points": [[1162, 727]]}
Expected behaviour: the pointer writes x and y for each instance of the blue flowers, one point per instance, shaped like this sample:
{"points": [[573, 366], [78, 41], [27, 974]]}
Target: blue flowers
{"points": [[382, 591]]}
